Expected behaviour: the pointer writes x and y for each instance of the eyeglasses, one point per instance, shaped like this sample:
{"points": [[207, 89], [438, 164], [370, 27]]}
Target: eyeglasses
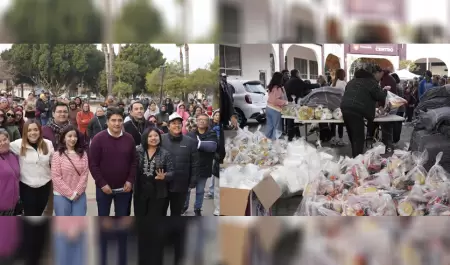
{"points": [[202, 119], [61, 112], [10, 115]]}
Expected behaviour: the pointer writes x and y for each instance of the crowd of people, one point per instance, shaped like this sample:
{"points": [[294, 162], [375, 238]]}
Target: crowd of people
{"points": [[153, 154], [366, 91]]}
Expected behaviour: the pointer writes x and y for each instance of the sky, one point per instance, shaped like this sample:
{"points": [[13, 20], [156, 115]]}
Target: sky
{"points": [[201, 13], [200, 55]]}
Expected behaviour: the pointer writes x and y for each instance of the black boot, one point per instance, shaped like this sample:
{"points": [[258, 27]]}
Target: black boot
{"points": [[198, 212], [184, 210]]}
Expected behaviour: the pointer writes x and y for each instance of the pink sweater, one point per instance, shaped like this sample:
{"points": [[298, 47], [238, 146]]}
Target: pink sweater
{"points": [[276, 98], [66, 180], [64, 224]]}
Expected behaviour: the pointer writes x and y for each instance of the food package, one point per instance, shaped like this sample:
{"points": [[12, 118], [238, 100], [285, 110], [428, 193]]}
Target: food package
{"points": [[395, 101], [318, 111], [290, 110], [439, 210], [241, 177], [418, 174], [326, 114], [337, 114], [380, 180], [414, 204], [373, 159], [305, 113], [375, 204], [437, 174]]}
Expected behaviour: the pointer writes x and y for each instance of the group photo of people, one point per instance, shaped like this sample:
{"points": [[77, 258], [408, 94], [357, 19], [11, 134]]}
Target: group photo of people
{"points": [[153, 155]]}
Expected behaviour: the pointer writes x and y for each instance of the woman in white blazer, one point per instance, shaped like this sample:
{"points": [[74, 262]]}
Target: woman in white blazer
{"points": [[35, 154]]}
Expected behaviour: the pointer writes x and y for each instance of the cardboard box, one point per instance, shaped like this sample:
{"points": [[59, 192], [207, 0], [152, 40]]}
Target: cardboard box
{"points": [[239, 202], [234, 243]]}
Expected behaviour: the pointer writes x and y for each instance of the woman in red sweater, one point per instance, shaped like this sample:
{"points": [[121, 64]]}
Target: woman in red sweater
{"points": [[83, 118], [70, 175]]}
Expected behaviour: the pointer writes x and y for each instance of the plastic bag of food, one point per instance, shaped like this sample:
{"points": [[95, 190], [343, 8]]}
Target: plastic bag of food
{"points": [[242, 158], [305, 113], [437, 174], [373, 159], [356, 205], [439, 210], [318, 111], [337, 114], [326, 114], [414, 204], [394, 102], [380, 180], [289, 109], [243, 137], [418, 174]]}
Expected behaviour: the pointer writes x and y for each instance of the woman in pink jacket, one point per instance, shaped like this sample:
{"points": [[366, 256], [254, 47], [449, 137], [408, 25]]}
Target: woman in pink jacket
{"points": [[277, 100], [181, 110]]}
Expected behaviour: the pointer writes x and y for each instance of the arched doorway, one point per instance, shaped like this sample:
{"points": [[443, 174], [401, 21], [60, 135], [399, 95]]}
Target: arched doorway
{"points": [[382, 62], [332, 63], [435, 65], [304, 60], [372, 33]]}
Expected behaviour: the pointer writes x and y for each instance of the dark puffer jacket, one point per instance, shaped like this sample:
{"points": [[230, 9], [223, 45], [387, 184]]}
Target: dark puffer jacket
{"points": [[183, 150], [206, 151], [361, 95]]}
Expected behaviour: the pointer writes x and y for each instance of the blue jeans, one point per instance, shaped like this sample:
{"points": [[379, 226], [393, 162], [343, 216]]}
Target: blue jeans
{"points": [[199, 194], [44, 121], [122, 203], [66, 207], [273, 124], [211, 187], [69, 252]]}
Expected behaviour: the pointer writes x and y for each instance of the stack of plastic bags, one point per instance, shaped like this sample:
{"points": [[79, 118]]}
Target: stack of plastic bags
{"points": [[370, 185], [254, 148], [310, 113]]}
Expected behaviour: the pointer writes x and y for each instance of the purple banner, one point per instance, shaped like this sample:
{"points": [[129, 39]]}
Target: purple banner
{"points": [[374, 49]]}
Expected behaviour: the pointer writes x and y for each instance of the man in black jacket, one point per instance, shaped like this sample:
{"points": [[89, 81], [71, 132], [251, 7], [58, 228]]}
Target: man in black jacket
{"points": [[207, 146], [226, 101], [218, 160], [298, 88], [186, 163], [137, 125]]}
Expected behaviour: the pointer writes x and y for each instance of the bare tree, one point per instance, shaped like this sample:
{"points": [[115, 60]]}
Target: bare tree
{"points": [[107, 70], [186, 56], [112, 56]]}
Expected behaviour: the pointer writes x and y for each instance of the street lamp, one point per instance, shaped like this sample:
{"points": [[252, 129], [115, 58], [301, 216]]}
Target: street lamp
{"points": [[162, 70]]}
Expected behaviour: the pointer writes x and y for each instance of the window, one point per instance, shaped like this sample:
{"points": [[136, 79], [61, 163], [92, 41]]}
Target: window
{"points": [[302, 66], [272, 64], [305, 33], [313, 70], [230, 60], [229, 23]]}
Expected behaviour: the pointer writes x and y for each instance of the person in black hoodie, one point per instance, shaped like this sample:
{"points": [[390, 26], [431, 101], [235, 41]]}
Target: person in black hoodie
{"points": [[298, 88], [186, 162], [359, 102], [219, 156], [226, 101], [169, 106], [206, 148], [137, 125], [163, 118]]}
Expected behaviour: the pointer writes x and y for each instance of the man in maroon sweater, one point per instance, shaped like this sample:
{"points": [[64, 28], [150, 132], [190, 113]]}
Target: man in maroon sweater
{"points": [[113, 164]]}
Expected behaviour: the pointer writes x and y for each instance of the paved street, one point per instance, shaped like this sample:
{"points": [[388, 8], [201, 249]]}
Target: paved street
{"points": [[208, 205]]}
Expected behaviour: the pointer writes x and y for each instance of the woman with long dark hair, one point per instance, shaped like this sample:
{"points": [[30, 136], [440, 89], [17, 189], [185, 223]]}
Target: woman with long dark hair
{"points": [[155, 170], [70, 174], [35, 154], [277, 100], [19, 119]]}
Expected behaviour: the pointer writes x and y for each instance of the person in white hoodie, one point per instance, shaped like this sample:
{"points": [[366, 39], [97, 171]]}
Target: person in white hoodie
{"points": [[34, 154], [338, 82], [152, 110]]}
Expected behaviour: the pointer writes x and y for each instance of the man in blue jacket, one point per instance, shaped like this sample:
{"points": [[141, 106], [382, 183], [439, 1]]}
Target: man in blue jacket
{"points": [[425, 84], [207, 147]]}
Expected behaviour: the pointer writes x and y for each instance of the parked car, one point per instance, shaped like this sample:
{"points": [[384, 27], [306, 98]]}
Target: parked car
{"points": [[250, 100]]}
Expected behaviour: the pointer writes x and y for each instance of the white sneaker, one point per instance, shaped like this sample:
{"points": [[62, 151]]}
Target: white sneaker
{"points": [[333, 141]]}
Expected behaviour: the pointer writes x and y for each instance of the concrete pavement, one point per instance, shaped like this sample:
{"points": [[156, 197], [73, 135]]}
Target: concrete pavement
{"points": [[208, 205]]}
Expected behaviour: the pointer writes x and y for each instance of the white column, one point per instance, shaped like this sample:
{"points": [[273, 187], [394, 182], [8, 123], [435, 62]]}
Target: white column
{"points": [[428, 63]]}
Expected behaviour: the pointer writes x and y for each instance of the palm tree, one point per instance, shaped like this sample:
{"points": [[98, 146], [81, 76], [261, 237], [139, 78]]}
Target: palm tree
{"points": [[107, 70], [112, 56], [186, 56], [180, 45]]}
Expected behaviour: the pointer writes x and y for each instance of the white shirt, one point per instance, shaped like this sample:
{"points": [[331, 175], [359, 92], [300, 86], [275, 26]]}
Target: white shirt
{"points": [[341, 84], [34, 166]]}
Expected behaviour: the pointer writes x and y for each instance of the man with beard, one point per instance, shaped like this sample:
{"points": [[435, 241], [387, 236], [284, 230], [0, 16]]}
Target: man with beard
{"points": [[137, 125], [186, 162], [226, 101], [52, 132], [298, 88], [163, 118]]}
